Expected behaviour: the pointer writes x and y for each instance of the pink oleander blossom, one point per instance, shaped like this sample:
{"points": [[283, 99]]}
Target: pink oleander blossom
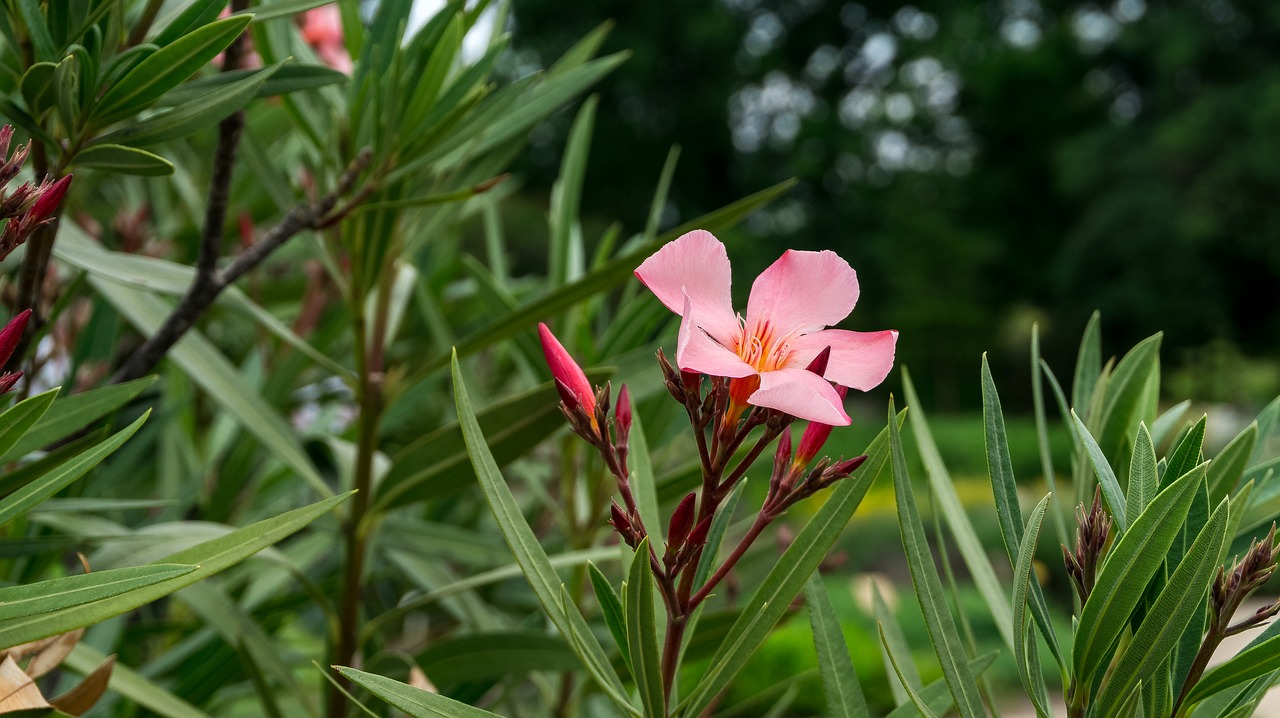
{"points": [[322, 30], [791, 304]]}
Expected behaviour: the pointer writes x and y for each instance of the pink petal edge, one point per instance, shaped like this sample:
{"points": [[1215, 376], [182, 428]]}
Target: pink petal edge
{"points": [[696, 264], [696, 351], [859, 360], [802, 394], [802, 292]]}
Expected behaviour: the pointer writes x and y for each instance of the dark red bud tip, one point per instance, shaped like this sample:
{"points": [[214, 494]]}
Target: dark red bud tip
{"points": [[698, 535], [50, 198], [11, 334], [851, 465], [819, 364], [681, 522], [623, 412], [618, 519], [7, 381], [691, 380], [784, 448]]}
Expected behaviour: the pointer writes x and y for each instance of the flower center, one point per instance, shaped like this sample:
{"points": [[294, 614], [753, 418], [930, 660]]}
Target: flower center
{"points": [[759, 347]]}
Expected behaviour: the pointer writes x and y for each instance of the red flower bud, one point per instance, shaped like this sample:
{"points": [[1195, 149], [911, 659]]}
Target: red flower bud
{"points": [[623, 414], [49, 199], [11, 334], [681, 522], [844, 468], [571, 381], [819, 364], [698, 535], [7, 381]]}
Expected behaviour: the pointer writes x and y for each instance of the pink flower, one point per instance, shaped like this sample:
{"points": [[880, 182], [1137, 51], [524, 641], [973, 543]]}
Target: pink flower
{"points": [[791, 304]]}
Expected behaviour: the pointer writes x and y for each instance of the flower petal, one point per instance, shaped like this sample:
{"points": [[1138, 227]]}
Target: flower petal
{"points": [[695, 264], [802, 394], [699, 352], [859, 360], [802, 292]]}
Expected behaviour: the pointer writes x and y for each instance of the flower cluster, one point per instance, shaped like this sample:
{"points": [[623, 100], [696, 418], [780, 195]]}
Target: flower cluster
{"points": [[29, 206], [742, 383]]}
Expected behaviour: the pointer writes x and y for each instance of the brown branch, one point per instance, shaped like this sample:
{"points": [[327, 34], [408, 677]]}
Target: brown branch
{"points": [[202, 294]]}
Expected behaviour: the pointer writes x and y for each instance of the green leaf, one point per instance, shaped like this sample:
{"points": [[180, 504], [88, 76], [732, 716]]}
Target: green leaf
{"points": [[33, 20], [1111, 490], [37, 87], [1088, 363], [70, 414], [893, 640], [914, 698], [642, 634], [1143, 473], [839, 679], [948, 502], [786, 579], [1022, 581], [209, 369], [1260, 657], [564, 263], [528, 551], [122, 159], [1004, 487], [58, 593], [936, 695], [27, 497], [292, 76], [1127, 394], [210, 557], [19, 419], [928, 585], [1169, 616], [184, 119], [194, 15], [131, 685], [438, 465], [414, 701], [1165, 424], [1228, 466], [611, 609], [167, 68], [1187, 453], [643, 483], [1123, 577]]}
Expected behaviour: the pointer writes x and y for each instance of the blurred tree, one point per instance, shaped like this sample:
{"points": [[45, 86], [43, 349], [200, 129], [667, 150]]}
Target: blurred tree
{"points": [[978, 162]]}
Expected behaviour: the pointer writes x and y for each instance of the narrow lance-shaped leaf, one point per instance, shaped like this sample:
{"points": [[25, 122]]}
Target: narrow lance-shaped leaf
{"points": [[642, 634], [914, 698], [529, 553], [1131, 563], [414, 701], [1005, 489], [611, 608], [949, 504], [1168, 617], [1023, 577], [928, 585], [1143, 480], [1111, 490], [839, 679]]}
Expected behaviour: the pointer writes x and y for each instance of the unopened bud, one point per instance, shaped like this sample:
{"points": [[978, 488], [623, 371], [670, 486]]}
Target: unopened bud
{"points": [[12, 334], [848, 466], [698, 536], [49, 199], [815, 436], [681, 523], [781, 459], [690, 381], [571, 381], [620, 523], [819, 363], [623, 414], [7, 381]]}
